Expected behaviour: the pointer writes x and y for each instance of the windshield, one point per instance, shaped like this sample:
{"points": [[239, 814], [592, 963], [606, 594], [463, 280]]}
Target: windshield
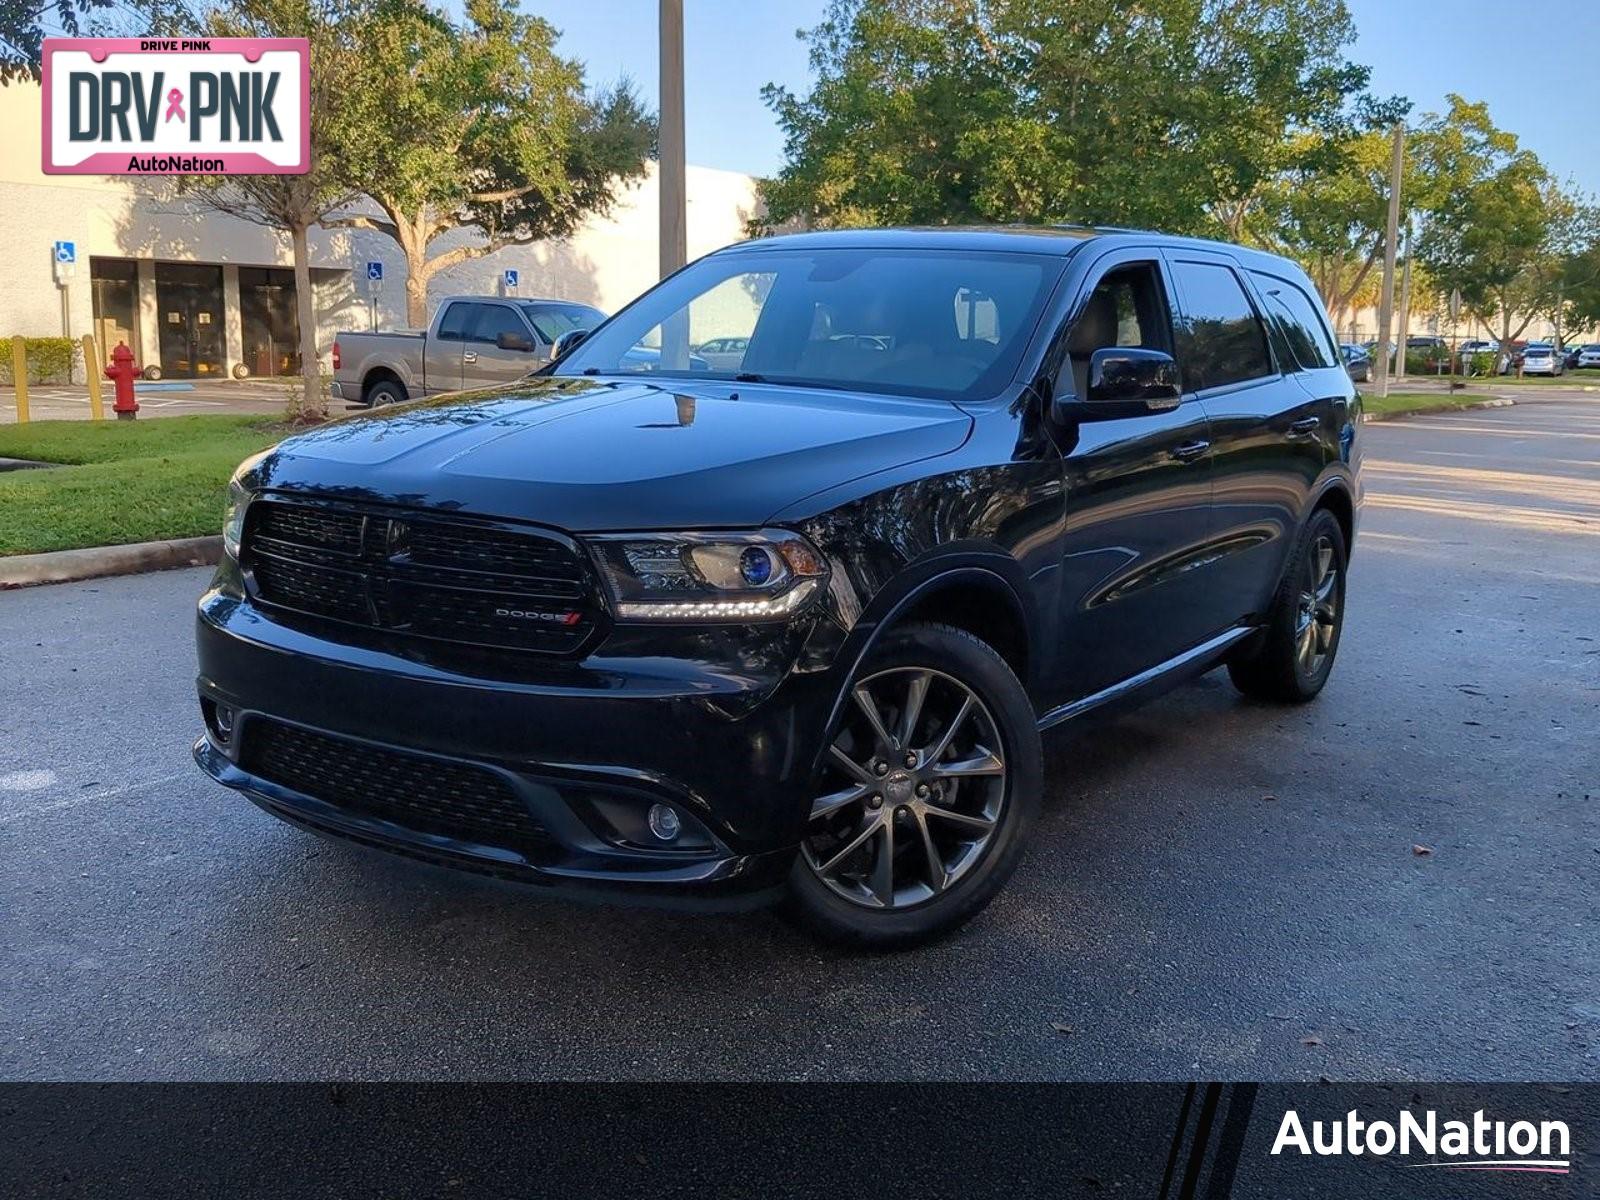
{"points": [[550, 321], [947, 324]]}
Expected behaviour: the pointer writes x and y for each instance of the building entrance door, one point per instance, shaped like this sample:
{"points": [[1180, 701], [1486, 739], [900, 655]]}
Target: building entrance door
{"points": [[190, 308]]}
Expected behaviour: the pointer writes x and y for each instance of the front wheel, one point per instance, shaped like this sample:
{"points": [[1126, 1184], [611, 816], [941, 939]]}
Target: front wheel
{"points": [[1292, 658], [928, 791]]}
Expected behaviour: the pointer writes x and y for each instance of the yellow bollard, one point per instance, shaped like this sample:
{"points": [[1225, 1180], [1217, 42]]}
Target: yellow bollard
{"points": [[19, 375], [91, 367]]}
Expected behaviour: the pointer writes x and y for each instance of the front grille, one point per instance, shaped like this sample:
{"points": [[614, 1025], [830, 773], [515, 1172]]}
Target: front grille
{"points": [[421, 575], [452, 800]]}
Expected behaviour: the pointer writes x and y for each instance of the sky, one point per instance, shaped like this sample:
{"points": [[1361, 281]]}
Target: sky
{"points": [[1537, 65]]}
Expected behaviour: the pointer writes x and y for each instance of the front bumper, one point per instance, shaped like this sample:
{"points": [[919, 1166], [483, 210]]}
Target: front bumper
{"points": [[724, 726]]}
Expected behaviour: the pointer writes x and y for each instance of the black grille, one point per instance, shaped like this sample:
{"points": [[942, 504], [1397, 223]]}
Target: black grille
{"points": [[452, 800], [421, 575]]}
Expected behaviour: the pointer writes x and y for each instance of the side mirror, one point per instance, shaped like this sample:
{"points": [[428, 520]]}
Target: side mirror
{"points": [[514, 341], [568, 341], [1124, 381]]}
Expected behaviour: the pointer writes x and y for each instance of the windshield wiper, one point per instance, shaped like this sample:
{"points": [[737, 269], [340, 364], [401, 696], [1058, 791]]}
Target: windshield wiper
{"points": [[749, 377]]}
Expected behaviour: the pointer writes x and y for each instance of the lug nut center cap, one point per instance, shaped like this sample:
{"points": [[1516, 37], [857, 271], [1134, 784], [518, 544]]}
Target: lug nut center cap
{"points": [[899, 787]]}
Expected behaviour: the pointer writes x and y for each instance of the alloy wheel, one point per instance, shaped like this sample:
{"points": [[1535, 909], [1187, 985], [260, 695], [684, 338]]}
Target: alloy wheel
{"points": [[1317, 617], [916, 788]]}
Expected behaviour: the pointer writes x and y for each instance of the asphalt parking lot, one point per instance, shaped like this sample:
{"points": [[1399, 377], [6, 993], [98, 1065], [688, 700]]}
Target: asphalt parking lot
{"points": [[1399, 881]]}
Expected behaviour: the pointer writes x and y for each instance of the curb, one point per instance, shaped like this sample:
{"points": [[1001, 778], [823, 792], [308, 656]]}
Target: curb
{"points": [[1497, 402], [67, 566]]}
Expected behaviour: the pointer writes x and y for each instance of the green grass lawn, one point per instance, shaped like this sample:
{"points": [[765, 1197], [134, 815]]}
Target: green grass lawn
{"points": [[129, 481], [1402, 402], [1589, 377]]}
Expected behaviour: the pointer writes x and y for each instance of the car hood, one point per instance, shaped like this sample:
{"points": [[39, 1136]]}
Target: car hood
{"points": [[587, 455]]}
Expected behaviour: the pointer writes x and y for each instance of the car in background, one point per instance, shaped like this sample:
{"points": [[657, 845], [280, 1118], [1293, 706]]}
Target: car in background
{"points": [[1472, 348], [1541, 358], [1569, 356], [723, 353], [1589, 355], [1357, 362], [473, 342]]}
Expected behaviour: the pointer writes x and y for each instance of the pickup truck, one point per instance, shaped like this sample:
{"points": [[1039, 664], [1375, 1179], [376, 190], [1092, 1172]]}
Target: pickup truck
{"points": [[474, 341]]}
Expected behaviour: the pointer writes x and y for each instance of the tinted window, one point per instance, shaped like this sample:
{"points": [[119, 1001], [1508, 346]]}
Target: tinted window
{"points": [[1126, 308], [552, 320], [1220, 339], [493, 320], [453, 326], [941, 323], [1300, 321]]}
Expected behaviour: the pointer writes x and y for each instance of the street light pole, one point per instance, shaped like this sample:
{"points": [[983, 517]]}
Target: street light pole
{"points": [[674, 199], [1380, 383]]}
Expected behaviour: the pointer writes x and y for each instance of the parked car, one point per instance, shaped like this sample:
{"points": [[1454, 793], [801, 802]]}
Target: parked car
{"points": [[1569, 356], [719, 636], [1357, 362], [473, 341], [1589, 355], [724, 353], [1541, 358]]}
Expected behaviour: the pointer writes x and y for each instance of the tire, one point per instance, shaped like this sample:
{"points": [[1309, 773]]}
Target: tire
{"points": [[1291, 660], [386, 391], [955, 822]]}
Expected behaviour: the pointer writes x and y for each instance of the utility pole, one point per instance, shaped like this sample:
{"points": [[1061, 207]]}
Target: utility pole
{"points": [[1405, 308], [1380, 383], [674, 235]]}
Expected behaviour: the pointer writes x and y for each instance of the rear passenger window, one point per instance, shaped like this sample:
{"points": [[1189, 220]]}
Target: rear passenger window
{"points": [[1220, 339], [453, 326], [1300, 320]]}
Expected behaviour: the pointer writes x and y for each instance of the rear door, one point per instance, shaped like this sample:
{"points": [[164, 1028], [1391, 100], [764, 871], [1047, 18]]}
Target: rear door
{"points": [[1267, 429], [483, 362], [443, 346]]}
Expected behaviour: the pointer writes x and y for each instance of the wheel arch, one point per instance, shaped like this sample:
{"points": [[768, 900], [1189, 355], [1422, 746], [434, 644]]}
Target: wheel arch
{"points": [[379, 375]]}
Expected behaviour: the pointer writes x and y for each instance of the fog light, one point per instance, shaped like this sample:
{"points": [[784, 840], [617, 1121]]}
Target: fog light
{"points": [[664, 823], [224, 721]]}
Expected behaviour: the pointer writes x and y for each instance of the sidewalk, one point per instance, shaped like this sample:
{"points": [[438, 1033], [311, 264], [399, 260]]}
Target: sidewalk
{"points": [[168, 398]]}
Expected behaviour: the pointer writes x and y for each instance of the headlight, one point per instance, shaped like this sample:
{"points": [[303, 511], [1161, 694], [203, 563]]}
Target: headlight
{"points": [[709, 576], [238, 497]]}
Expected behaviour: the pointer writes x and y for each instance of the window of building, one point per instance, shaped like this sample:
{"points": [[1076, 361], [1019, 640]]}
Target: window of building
{"points": [[190, 309], [1220, 337], [114, 284], [269, 321]]}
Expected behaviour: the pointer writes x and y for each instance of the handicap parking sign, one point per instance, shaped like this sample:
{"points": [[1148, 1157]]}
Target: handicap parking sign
{"points": [[511, 277], [67, 252], [375, 272]]}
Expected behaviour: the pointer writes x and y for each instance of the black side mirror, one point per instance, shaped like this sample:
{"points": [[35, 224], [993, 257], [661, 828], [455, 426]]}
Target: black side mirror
{"points": [[568, 341], [514, 341], [1124, 381]]}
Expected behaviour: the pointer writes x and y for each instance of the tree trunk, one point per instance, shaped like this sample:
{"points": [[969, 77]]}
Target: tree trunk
{"points": [[416, 290], [311, 402]]}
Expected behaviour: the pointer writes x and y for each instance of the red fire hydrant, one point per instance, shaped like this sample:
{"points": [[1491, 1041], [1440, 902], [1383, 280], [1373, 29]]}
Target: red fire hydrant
{"points": [[122, 372]]}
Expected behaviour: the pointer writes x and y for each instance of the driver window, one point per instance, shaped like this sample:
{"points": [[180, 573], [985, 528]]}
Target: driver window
{"points": [[1126, 308]]}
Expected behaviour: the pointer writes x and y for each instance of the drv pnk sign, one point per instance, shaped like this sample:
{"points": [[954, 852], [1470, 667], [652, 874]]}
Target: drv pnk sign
{"points": [[171, 106]]}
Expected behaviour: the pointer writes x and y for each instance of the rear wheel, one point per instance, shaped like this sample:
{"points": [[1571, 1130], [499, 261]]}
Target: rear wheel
{"points": [[385, 391], [929, 789], [1291, 661]]}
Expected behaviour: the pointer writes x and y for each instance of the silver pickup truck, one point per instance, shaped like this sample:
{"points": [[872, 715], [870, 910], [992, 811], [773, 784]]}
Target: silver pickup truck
{"points": [[474, 341]]}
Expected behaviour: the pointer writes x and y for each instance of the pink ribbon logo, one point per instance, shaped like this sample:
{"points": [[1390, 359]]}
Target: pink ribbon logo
{"points": [[175, 105]]}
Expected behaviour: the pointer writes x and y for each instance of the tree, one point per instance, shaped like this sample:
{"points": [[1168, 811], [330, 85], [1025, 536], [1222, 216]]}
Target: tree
{"points": [[1171, 113], [478, 125], [294, 203], [1488, 213]]}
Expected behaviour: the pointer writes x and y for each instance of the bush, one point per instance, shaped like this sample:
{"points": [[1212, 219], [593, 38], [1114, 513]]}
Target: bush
{"points": [[50, 359], [1484, 363]]}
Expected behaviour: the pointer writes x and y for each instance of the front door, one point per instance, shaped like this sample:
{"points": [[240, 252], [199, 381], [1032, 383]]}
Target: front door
{"points": [[1138, 497], [189, 306], [484, 363]]}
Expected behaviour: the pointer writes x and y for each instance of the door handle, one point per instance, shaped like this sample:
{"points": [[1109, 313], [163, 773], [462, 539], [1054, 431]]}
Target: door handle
{"points": [[1304, 426], [1190, 451], [469, 356]]}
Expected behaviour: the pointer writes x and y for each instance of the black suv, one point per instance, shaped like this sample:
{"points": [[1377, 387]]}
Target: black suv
{"points": [[790, 626]]}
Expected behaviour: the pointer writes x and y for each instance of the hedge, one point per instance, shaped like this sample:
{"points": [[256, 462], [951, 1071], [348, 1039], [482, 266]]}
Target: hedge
{"points": [[50, 359]]}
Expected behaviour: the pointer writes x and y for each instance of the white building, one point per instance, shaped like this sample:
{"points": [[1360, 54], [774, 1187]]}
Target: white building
{"points": [[203, 295]]}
